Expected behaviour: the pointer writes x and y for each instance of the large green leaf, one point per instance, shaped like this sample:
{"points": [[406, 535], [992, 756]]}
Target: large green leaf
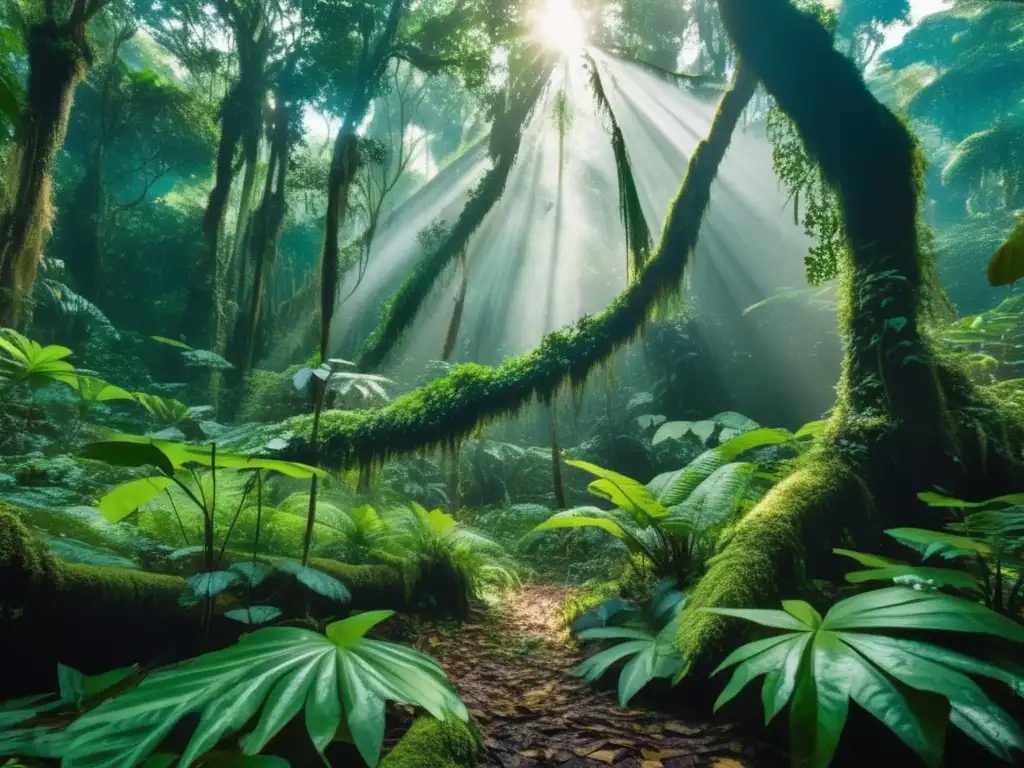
{"points": [[936, 542], [186, 454], [903, 608], [675, 430], [715, 499], [126, 498], [318, 581], [624, 492], [939, 500], [564, 520], [351, 630], [914, 688], [272, 673], [95, 390], [124, 454]]}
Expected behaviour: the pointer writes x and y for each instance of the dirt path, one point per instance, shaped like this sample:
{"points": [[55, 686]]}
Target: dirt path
{"points": [[513, 670]]}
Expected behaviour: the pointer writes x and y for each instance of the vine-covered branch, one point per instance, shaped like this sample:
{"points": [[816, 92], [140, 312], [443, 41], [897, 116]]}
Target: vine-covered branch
{"points": [[450, 407]]}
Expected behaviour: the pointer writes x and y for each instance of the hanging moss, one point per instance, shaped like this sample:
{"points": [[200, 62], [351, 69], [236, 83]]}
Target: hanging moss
{"points": [[401, 310], [451, 407], [638, 234], [433, 743]]}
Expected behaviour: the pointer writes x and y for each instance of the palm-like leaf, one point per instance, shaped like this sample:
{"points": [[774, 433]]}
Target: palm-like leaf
{"points": [[273, 673], [28, 362], [820, 664]]}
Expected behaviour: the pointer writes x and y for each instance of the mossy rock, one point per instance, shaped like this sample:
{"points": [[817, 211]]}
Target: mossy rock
{"points": [[433, 743]]}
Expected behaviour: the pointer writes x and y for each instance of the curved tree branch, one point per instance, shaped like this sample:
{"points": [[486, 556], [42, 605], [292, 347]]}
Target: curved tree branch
{"points": [[450, 407]]}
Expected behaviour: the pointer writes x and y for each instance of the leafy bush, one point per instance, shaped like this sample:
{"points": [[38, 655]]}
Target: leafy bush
{"points": [[454, 562], [669, 520], [914, 688]]}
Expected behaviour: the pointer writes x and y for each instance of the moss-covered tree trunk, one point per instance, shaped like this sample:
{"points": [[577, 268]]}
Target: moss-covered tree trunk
{"points": [[241, 125], [57, 54], [261, 245], [906, 419]]}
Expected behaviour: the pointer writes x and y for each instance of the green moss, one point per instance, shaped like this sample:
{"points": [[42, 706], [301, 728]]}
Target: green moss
{"points": [[764, 556], [451, 407], [432, 743], [372, 586], [28, 570]]}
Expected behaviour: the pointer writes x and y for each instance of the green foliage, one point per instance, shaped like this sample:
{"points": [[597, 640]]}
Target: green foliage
{"points": [[647, 633], [455, 562], [803, 180], [340, 681], [987, 547], [93, 390], [670, 519], [27, 362], [167, 411], [913, 687]]}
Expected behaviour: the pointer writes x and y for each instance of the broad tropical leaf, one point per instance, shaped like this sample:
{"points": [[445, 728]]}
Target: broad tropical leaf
{"points": [[256, 614], [172, 342], [651, 646], [93, 390], [128, 497], [576, 518], [272, 675], [675, 430], [939, 500], [622, 491], [820, 664], [317, 581], [212, 583], [714, 500], [121, 446], [28, 362]]}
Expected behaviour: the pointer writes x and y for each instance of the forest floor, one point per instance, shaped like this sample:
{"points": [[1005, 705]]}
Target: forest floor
{"points": [[513, 667]]}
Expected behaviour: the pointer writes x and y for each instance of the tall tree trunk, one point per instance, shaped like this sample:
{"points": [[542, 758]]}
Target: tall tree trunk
{"points": [[904, 422], [344, 165], [57, 56], [241, 123], [264, 233], [238, 266]]}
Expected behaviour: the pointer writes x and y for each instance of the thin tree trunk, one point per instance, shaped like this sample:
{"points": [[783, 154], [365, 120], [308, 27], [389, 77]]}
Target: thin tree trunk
{"points": [[556, 459], [460, 302], [57, 62]]}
